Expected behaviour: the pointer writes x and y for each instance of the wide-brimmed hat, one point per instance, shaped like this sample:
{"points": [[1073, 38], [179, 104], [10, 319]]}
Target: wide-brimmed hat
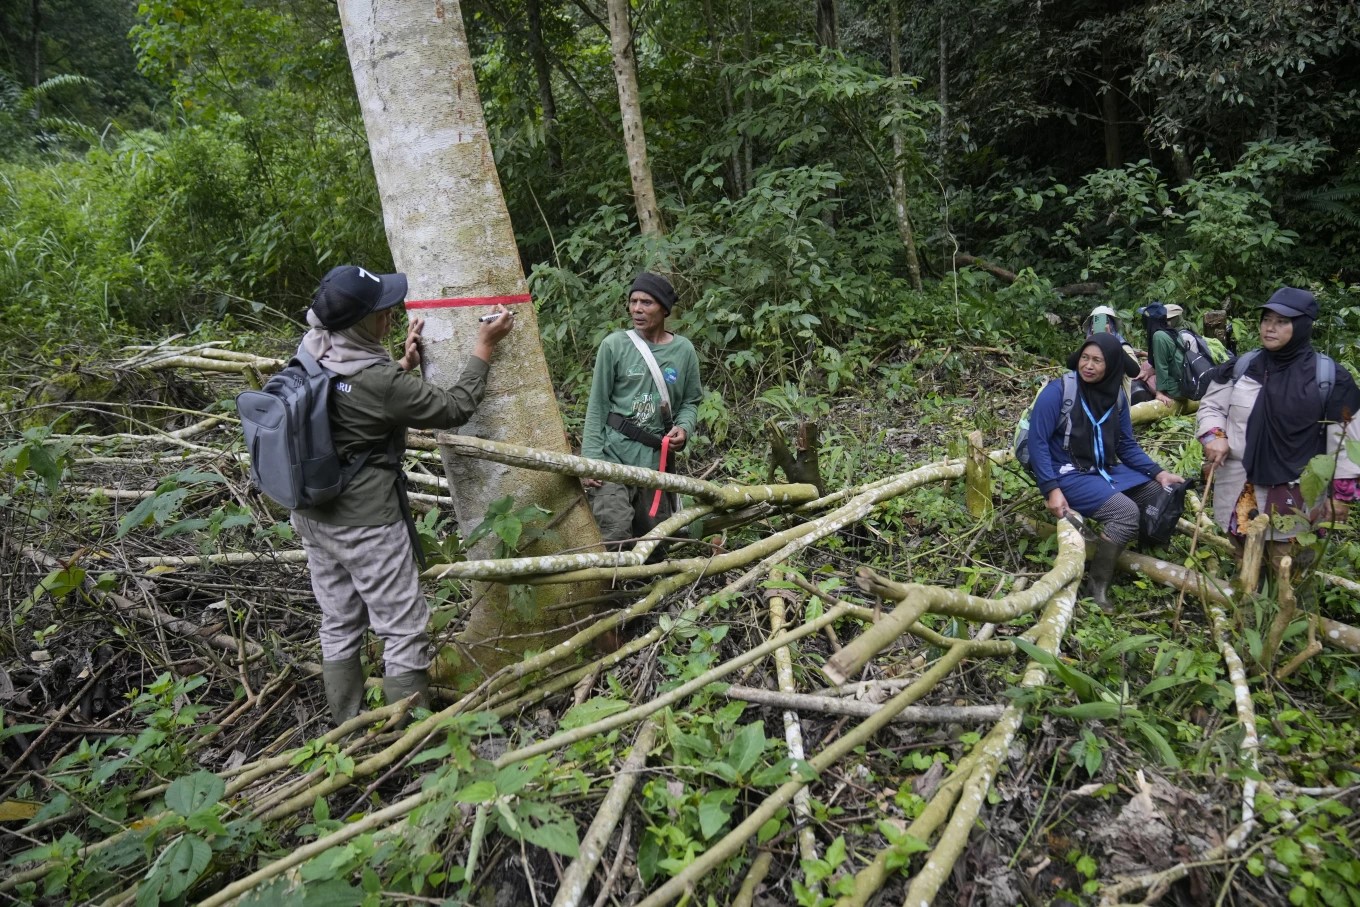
{"points": [[348, 294]]}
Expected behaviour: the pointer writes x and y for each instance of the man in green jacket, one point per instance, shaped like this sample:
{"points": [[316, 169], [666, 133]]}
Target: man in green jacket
{"points": [[626, 417], [359, 551]]}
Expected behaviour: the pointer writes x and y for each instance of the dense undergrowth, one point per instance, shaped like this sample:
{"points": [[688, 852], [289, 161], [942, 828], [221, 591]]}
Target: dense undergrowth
{"points": [[1130, 760], [196, 176]]}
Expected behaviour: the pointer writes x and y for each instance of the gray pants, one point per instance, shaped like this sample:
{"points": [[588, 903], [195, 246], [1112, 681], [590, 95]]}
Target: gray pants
{"points": [[366, 576], [1119, 515], [621, 510]]}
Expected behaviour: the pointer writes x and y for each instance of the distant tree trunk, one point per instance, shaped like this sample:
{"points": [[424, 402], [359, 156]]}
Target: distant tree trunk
{"points": [[826, 23], [450, 232], [1109, 113], [944, 102], [736, 184], [545, 91], [899, 156], [36, 58], [630, 106]]}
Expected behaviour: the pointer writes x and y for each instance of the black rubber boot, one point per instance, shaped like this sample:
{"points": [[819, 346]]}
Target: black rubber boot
{"points": [[398, 686], [1101, 572], [344, 682]]}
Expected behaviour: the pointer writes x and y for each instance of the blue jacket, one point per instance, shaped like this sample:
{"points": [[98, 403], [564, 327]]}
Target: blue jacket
{"points": [[1053, 467]]}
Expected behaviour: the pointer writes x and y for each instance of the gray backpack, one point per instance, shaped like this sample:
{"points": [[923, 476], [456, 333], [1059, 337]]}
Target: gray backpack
{"points": [[288, 434], [1325, 375]]}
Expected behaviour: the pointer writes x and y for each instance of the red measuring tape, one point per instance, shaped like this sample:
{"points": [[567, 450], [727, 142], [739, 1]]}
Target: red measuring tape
{"points": [[656, 498], [461, 301]]}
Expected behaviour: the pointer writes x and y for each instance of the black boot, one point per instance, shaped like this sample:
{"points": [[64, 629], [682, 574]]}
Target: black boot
{"points": [[344, 683], [1101, 571]]}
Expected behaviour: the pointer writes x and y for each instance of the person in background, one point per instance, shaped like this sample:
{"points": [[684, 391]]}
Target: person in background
{"points": [[1105, 320], [626, 417], [1103, 474], [359, 551], [1166, 356], [1260, 430]]}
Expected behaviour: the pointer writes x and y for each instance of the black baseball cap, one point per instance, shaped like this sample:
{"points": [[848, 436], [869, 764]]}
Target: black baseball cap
{"points": [[1292, 302], [348, 294]]}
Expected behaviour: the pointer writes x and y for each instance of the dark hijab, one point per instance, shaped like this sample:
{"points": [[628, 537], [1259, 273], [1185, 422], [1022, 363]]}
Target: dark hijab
{"points": [[1154, 320], [1284, 430], [1099, 397]]}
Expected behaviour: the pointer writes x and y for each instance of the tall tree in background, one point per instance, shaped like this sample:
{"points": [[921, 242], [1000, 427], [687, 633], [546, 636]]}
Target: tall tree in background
{"points": [[449, 231], [543, 75], [899, 182], [630, 106]]}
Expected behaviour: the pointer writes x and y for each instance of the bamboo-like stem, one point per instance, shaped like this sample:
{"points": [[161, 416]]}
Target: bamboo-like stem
{"points": [[835, 705], [725, 498], [793, 729], [573, 886], [916, 600], [760, 867], [1194, 541], [1253, 553], [734, 840], [1312, 648], [233, 559], [992, 753], [1284, 614], [978, 478]]}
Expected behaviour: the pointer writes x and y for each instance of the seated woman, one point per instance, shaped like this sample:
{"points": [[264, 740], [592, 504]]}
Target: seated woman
{"points": [[1260, 428], [1165, 354], [1100, 472]]}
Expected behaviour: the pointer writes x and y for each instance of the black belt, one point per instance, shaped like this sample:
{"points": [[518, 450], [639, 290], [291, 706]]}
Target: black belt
{"points": [[630, 429]]}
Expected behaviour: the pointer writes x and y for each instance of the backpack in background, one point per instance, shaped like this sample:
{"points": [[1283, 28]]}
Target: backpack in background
{"points": [[1020, 445], [1197, 363], [288, 435]]}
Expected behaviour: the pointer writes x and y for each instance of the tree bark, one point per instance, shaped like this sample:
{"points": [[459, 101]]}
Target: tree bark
{"points": [[630, 106], [904, 227], [826, 23], [543, 73], [36, 58], [944, 102], [449, 230]]}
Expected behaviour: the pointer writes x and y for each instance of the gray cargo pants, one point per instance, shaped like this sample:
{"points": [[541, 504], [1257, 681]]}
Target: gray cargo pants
{"points": [[621, 510], [366, 576]]}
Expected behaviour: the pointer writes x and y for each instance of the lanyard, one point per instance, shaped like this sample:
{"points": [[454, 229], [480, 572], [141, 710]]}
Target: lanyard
{"points": [[656, 499], [1098, 444]]}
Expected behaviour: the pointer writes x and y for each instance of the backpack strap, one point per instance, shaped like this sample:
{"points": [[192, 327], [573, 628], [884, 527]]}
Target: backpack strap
{"points": [[1326, 377], [1069, 400], [655, 369], [1244, 360]]}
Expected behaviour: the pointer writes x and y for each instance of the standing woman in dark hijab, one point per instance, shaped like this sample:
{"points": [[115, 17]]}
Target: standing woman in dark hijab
{"points": [[1098, 469], [1260, 430]]}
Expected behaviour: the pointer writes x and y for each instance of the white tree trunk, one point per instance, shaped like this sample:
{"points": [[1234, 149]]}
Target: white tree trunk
{"points": [[449, 230], [630, 106]]}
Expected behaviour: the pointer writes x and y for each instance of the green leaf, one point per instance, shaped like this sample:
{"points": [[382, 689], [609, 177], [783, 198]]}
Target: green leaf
{"points": [[476, 792], [746, 747], [1091, 711], [179, 866], [1158, 742], [591, 711], [1165, 683], [714, 809]]}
